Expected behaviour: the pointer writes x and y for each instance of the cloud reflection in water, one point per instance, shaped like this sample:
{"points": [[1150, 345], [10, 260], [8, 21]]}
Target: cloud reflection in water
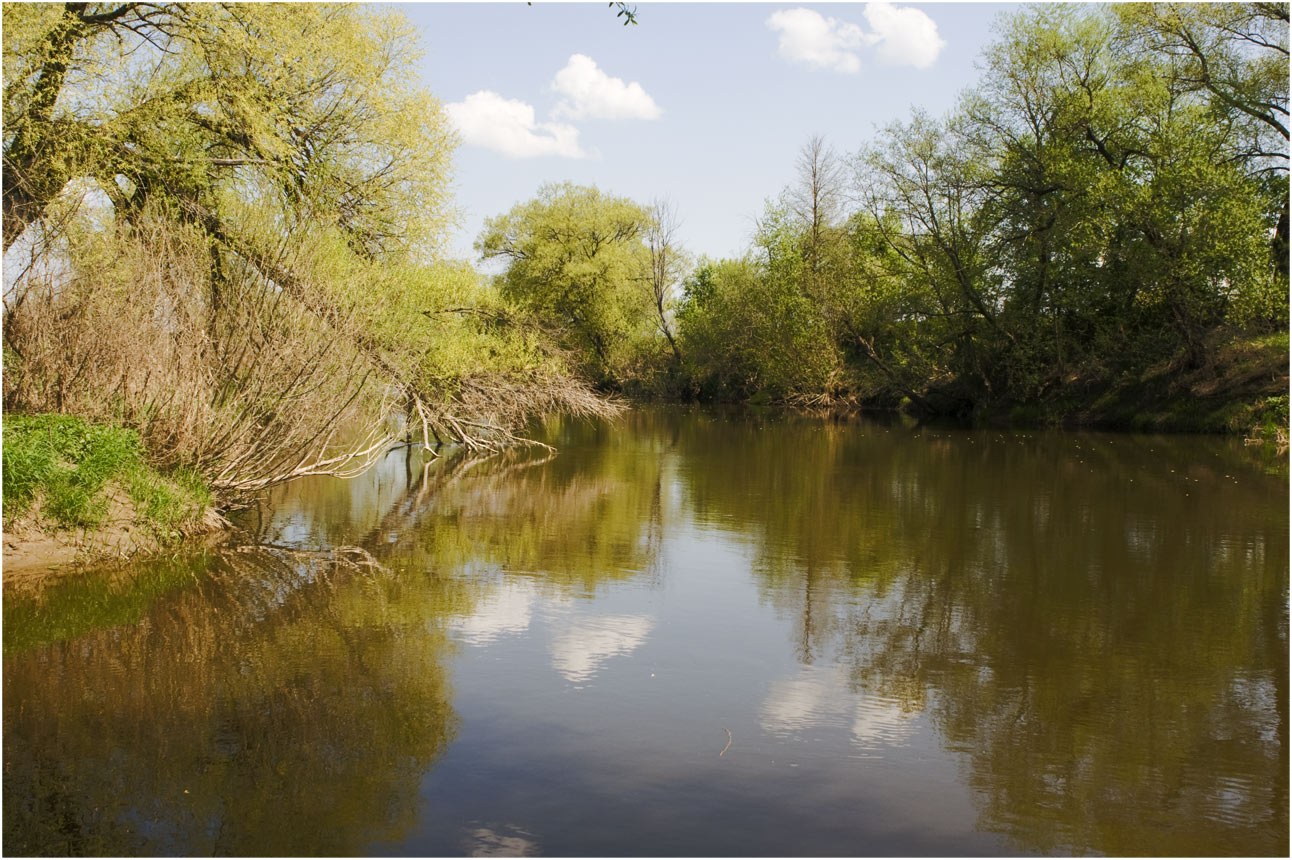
{"points": [[581, 649]]}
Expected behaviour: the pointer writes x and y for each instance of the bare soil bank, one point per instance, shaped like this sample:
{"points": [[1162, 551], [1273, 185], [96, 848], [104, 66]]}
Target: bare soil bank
{"points": [[34, 547]]}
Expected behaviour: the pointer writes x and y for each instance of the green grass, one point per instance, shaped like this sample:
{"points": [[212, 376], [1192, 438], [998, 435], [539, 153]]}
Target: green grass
{"points": [[68, 463]]}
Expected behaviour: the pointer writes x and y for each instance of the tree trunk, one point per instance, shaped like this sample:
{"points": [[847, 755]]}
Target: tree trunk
{"points": [[31, 180]]}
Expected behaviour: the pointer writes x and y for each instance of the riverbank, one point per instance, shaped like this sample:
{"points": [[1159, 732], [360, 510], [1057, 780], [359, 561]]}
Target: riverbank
{"points": [[1241, 389], [35, 547], [80, 493], [77, 493]]}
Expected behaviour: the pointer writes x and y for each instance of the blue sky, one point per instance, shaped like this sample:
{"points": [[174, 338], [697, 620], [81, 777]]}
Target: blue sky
{"points": [[706, 104]]}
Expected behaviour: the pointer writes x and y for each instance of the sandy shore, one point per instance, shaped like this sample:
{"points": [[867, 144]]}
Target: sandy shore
{"points": [[33, 550]]}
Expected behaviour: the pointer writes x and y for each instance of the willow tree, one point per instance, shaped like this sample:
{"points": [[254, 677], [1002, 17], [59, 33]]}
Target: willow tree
{"points": [[287, 153], [576, 259], [306, 108]]}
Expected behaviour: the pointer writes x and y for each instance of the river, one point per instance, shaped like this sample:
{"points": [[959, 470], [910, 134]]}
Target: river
{"points": [[685, 633]]}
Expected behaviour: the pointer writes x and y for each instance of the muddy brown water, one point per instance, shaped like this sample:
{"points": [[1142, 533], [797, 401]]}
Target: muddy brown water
{"points": [[687, 633]]}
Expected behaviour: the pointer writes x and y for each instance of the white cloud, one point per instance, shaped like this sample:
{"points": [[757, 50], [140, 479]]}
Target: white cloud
{"points": [[900, 35], [880, 723], [507, 126], [807, 37], [592, 94], [905, 36], [822, 698], [484, 842], [807, 701]]}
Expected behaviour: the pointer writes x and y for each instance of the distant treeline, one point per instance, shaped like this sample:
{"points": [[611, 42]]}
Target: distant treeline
{"points": [[1098, 231]]}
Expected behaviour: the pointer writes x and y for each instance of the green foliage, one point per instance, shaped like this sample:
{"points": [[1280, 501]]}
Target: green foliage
{"points": [[169, 501], [576, 261], [227, 139], [278, 182], [1233, 55], [310, 110], [1273, 415], [1111, 198], [754, 325], [67, 461], [68, 464], [628, 13]]}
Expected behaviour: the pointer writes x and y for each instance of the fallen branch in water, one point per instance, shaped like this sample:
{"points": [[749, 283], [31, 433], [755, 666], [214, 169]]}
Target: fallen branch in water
{"points": [[348, 465], [353, 557], [1280, 440], [482, 413]]}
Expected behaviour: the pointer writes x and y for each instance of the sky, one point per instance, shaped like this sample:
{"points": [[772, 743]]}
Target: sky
{"points": [[706, 105]]}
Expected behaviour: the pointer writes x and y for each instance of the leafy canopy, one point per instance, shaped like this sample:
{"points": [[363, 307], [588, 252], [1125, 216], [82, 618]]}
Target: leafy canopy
{"points": [[309, 111], [576, 259]]}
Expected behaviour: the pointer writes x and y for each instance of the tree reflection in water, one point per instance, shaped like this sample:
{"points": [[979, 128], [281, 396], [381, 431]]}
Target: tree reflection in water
{"points": [[269, 708], [1097, 632], [281, 698], [1102, 637]]}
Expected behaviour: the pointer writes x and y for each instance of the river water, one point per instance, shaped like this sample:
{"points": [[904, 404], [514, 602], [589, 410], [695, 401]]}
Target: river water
{"points": [[686, 633]]}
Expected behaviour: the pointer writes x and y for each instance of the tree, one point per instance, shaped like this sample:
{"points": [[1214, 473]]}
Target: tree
{"points": [[816, 198], [575, 259], [309, 109], [1045, 112], [1236, 55], [924, 185], [723, 331], [1088, 208], [668, 265], [747, 327], [283, 175], [1100, 140]]}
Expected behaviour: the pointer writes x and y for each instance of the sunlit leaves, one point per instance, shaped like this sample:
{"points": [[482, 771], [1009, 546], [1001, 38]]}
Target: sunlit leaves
{"points": [[576, 258]]}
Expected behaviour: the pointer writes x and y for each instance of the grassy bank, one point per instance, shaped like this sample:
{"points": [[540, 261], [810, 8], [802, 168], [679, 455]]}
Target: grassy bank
{"points": [[78, 491]]}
